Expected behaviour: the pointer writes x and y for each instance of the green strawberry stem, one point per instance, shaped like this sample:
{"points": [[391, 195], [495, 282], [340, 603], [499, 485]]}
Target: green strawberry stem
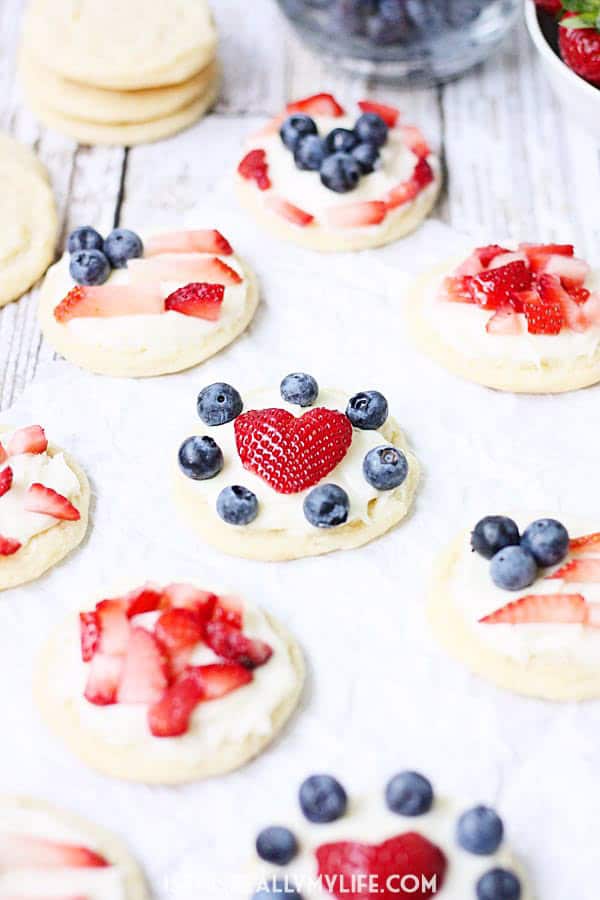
{"points": [[587, 14]]}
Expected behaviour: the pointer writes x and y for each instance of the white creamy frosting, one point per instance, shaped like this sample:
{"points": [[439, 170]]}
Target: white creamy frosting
{"points": [[28, 469], [93, 883], [462, 326], [475, 595], [368, 820], [285, 511]]}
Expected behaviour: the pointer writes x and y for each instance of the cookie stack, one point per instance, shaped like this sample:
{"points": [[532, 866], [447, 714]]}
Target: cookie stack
{"points": [[119, 73]]}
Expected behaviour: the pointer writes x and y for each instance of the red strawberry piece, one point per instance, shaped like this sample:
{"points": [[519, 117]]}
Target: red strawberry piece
{"points": [[571, 271], [178, 629], [6, 480], [551, 291], [541, 609], [254, 167], [201, 241], [289, 453], [504, 321], [495, 288], [229, 610], [109, 301], [144, 678], [415, 141], [113, 627], [411, 188], [537, 254], [355, 215], [288, 211], [543, 318], [8, 546], [405, 866], [189, 597], [579, 42], [487, 254], [104, 674], [234, 646], [44, 500], [3, 454], [182, 267], [456, 289], [389, 114], [89, 631], [27, 440], [550, 6], [219, 679], [317, 105], [585, 544], [21, 851], [201, 300], [590, 308], [579, 294], [503, 259], [579, 571], [142, 600], [170, 716]]}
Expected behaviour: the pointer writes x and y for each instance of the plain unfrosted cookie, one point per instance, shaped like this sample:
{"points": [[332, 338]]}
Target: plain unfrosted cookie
{"points": [[250, 668], [56, 538], [86, 859], [121, 47]]}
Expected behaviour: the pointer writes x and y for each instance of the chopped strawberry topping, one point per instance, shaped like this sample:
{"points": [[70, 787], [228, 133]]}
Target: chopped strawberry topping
{"points": [[579, 571], [113, 627], [6, 480], [201, 300], [8, 546], [27, 440], [109, 301], [409, 189], [104, 674], [585, 544], [179, 628], [538, 254], [22, 851], [229, 610], [144, 678], [456, 289], [317, 105], [551, 291], [219, 679], [504, 321], [543, 318], [190, 597], [89, 630], [488, 254], [571, 271], [389, 114], [288, 211], [254, 167], [579, 294], [188, 268], [355, 215], [415, 141], [40, 499], [234, 646], [142, 600], [200, 241], [541, 608], [495, 288]]}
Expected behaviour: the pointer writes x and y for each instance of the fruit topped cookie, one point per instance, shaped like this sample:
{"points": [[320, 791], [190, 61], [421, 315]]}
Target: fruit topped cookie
{"points": [[522, 608], [44, 498], [334, 179], [299, 471], [130, 306], [524, 319], [404, 843]]}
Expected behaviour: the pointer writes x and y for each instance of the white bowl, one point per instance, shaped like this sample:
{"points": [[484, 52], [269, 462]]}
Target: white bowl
{"points": [[580, 99]]}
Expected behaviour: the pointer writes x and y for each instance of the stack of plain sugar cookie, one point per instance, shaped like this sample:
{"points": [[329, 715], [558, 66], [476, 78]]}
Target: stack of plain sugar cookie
{"points": [[119, 73]]}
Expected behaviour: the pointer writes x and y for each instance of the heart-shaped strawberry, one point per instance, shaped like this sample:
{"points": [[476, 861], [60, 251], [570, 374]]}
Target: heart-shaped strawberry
{"points": [[292, 453], [406, 866]]}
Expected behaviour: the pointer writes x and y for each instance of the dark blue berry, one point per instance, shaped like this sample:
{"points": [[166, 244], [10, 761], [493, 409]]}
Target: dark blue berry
{"points": [[299, 388], [89, 267], [326, 506], [341, 140], [309, 153], [366, 155], [279, 888], [340, 172], [367, 410], [371, 127], [237, 505], [277, 845], [547, 540], [322, 799], [84, 238], [513, 569], [480, 830], [498, 884], [409, 794], [494, 533], [296, 127], [385, 467], [219, 403], [200, 458], [121, 245]]}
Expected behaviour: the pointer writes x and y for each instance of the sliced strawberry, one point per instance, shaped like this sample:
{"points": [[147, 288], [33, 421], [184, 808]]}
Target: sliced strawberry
{"points": [[412, 187], [109, 301], [537, 254], [456, 289], [504, 321], [8, 546], [6, 480], [504, 259], [543, 318], [355, 215], [202, 241], [178, 268], [579, 40], [551, 291], [230, 611], [27, 440], [579, 294], [288, 211], [389, 114], [113, 627], [495, 288], [585, 544], [186, 596], [142, 600], [571, 270], [540, 609], [317, 105], [204, 301], [219, 679], [177, 629], [579, 571], [254, 167], [520, 299], [414, 139], [21, 851], [40, 499], [89, 631], [104, 674], [234, 646], [3, 454], [170, 716], [144, 678], [488, 254]]}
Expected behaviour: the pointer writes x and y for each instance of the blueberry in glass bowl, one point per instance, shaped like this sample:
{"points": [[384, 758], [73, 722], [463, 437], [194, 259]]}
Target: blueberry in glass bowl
{"points": [[410, 41]]}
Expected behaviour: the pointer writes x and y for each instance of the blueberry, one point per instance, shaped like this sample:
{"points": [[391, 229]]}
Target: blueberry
{"points": [[89, 267], [294, 128], [547, 540], [200, 458], [341, 140], [340, 172], [326, 506], [409, 794], [219, 403], [237, 505], [121, 245], [371, 127], [513, 569], [309, 153], [278, 887], [498, 884], [277, 845], [367, 410], [480, 830], [84, 238], [299, 388], [494, 533], [385, 467], [322, 799], [366, 155]]}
